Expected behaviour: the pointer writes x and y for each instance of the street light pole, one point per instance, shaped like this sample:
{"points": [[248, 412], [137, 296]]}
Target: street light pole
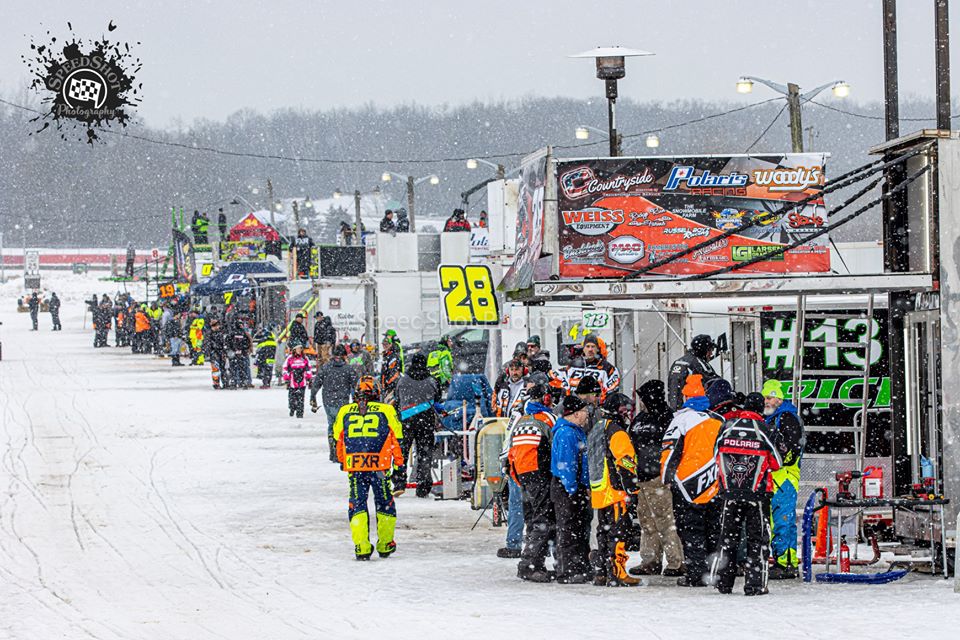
{"points": [[358, 222], [413, 225], [796, 124], [270, 202], [942, 34]]}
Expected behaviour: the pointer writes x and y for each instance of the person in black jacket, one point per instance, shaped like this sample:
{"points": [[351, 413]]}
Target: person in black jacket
{"points": [[53, 305], [173, 333], [304, 247], [324, 337], [695, 360], [387, 225], [337, 379], [298, 331], [746, 455], [654, 504], [215, 350], [240, 345], [417, 391], [33, 303]]}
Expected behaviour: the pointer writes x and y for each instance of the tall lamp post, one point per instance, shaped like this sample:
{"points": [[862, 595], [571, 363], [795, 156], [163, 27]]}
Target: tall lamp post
{"points": [[611, 66], [583, 133], [412, 182], [473, 163], [795, 101]]}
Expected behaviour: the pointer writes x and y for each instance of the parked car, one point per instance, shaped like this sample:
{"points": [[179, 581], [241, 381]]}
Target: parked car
{"points": [[470, 346]]}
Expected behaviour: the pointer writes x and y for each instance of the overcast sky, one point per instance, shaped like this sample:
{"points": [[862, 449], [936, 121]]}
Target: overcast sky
{"points": [[210, 58]]}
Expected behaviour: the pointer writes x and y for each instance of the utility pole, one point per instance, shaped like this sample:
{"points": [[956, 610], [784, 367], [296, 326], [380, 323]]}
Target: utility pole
{"points": [[358, 223], [270, 202], [296, 218], [796, 124], [413, 226], [3, 272]]}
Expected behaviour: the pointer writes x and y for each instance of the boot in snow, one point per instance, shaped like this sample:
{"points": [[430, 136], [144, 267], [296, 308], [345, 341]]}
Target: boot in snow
{"points": [[618, 569], [391, 547]]}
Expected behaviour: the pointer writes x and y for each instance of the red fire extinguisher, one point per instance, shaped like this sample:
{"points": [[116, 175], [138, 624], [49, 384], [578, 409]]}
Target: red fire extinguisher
{"points": [[844, 555]]}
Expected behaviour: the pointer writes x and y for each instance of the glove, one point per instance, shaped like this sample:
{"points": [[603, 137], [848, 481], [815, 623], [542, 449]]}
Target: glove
{"points": [[313, 406], [398, 492]]}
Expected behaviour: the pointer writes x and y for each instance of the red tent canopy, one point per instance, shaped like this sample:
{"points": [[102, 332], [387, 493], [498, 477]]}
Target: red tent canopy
{"points": [[252, 227]]}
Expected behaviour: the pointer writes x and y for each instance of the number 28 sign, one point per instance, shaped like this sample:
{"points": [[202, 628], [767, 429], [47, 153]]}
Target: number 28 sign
{"points": [[468, 294]]}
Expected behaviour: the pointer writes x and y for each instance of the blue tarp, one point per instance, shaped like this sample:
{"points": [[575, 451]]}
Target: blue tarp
{"points": [[236, 277]]}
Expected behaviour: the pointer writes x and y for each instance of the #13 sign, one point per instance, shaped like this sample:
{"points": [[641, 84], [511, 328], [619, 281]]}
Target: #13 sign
{"points": [[468, 294], [596, 319]]}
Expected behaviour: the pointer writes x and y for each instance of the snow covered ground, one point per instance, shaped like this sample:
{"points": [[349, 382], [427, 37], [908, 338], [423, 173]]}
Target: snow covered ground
{"points": [[140, 503]]}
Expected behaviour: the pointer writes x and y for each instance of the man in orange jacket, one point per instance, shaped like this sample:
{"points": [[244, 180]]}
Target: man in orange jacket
{"points": [[688, 466]]}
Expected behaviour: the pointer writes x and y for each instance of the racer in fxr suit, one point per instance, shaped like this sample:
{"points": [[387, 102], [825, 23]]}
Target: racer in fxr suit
{"points": [[695, 360], [593, 364]]}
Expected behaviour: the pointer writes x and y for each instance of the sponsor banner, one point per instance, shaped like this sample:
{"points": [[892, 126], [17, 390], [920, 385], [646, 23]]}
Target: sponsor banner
{"points": [[779, 352], [183, 257], [479, 242], [618, 215], [530, 202]]}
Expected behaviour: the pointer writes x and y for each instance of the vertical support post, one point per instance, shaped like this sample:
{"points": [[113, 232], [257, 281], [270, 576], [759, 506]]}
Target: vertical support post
{"points": [[357, 222], [796, 122], [410, 185], [270, 203], [612, 118], [942, 35]]}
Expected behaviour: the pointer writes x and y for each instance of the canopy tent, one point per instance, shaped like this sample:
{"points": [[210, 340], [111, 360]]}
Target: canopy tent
{"points": [[252, 226], [238, 276]]}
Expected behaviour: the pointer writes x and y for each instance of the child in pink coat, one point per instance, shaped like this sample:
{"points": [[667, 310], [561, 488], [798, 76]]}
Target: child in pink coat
{"points": [[297, 375]]}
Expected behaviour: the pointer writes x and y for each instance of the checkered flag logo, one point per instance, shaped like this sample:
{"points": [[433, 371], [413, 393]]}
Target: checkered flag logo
{"points": [[85, 90]]}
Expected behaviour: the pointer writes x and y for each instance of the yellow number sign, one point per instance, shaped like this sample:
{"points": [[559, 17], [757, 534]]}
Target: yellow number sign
{"points": [[468, 295]]}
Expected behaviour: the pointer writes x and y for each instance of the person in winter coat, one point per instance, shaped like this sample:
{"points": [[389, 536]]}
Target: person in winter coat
{"points": [[789, 438], [304, 248], [324, 337], [215, 350], [417, 392], [297, 375], [222, 224], [391, 366], [658, 537], [403, 221], [240, 344], [507, 388], [457, 222], [539, 359], [53, 305], [298, 331], [387, 225], [33, 304], [592, 364], [570, 492], [360, 359], [745, 456], [528, 446], [613, 479], [688, 466], [141, 336], [695, 360], [368, 436], [173, 335], [337, 379], [266, 356]]}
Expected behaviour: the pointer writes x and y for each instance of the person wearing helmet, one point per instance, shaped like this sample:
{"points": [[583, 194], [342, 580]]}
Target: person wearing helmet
{"points": [[613, 478], [368, 436], [695, 361], [337, 379], [297, 375], [391, 366]]}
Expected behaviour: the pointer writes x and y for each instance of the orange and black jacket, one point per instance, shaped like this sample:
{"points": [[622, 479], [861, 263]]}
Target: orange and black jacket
{"points": [[368, 441], [687, 459], [612, 463], [529, 439], [390, 371]]}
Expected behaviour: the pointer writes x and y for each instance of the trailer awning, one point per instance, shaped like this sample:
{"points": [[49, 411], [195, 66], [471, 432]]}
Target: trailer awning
{"points": [[238, 276]]}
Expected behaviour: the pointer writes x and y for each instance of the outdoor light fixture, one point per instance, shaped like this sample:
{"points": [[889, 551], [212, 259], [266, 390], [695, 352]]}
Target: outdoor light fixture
{"points": [[744, 85], [279, 206], [582, 133], [386, 177], [255, 191], [611, 66], [653, 141], [841, 89], [337, 194], [308, 203], [434, 180], [472, 163]]}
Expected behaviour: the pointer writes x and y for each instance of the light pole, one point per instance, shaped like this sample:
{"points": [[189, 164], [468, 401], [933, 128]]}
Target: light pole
{"points": [[473, 163], [611, 66], [795, 101], [358, 222], [582, 132], [388, 176]]}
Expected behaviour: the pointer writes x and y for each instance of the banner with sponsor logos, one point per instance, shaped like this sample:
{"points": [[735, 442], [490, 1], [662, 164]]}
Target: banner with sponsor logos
{"points": [[529, 245], [620, 214], [183, 257]]}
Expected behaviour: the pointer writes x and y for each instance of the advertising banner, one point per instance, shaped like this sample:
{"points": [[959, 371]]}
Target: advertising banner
{"points": [[617, 215], [183, 257], [529, 245]]}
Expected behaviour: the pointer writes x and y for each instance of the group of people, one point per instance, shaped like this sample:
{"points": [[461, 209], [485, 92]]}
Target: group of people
{"points": [[34, 304], [401, 224], [699, 466]]}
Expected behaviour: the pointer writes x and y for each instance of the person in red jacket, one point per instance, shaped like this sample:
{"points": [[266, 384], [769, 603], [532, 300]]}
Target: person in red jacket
{"points": [[457, 222], [745, 455]]}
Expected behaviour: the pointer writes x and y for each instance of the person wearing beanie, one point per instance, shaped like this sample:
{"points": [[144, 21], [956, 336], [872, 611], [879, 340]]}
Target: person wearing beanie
{"points": [[592, 364], [570, 493], [789, 438], [506, 390], [688, 466], [695, 360], [723, 399], [539, 359], [613, 479], [745, 456], [417, 392], [337, 379], [658, 539]]}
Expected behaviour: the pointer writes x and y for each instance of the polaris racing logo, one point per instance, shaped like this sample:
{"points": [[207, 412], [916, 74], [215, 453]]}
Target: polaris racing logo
{"points": [[626, 249], [686, 174], [592, 221]]}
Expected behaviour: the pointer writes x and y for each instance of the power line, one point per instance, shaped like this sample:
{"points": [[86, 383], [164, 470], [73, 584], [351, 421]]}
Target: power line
{"points": [[865, 116], [346, 161], [769, 126]]}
